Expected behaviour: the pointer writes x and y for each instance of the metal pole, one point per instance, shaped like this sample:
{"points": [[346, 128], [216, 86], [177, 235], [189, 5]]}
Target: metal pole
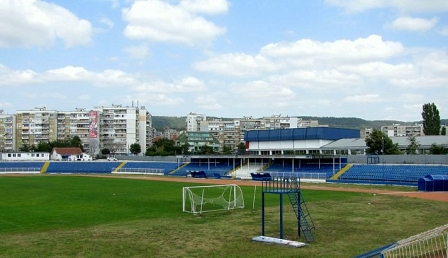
{"points": [[281, 215], [262, 213]]}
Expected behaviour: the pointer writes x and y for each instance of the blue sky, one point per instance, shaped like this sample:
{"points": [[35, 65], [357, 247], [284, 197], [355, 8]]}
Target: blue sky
{"points": [[379, 59]]}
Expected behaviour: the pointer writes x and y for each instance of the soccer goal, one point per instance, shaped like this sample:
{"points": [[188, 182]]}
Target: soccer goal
{"points": [[199, 199], [432, 244]]}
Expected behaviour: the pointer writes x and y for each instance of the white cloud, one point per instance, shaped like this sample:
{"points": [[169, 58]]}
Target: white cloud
{"points": [[65, 74], [339, 51], [107, 22], [409, 6], [80, 74], [30, 23], [443, 31], [261, 94], [184, 85], [158, 99], [161, 21], [360, 99], [205, 6], [413, 24], [207, 102], [138, 52], [305, 57], [236, 64]]}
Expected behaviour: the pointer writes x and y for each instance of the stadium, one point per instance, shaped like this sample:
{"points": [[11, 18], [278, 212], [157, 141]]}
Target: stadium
{"points": [[336, 206]]}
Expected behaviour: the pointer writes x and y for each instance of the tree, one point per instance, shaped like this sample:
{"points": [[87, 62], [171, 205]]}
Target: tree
{"points": [[207, 150], [135, 148], [443, 132], [431, 119], [413, 145], [380, 143], [44, 147], [226, 150], [241, 148], [164, 147], [438, 149], [24, 148], [105, 151], [76, 142]]}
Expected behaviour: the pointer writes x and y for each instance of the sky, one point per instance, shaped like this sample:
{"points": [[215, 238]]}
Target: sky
{"points": [[375, 60]]}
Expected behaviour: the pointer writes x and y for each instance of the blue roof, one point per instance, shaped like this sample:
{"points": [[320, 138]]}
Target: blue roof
{"points": [[310, 133]]}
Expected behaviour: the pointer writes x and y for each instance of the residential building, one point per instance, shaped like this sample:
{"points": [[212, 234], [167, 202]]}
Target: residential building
{"points": [[7, 130], [35, 126], [74, 123], [193, 121], [225, 131], [120, 126], [170, 134], [230, 132], [196, 140], [397, 130], [115, 128]]}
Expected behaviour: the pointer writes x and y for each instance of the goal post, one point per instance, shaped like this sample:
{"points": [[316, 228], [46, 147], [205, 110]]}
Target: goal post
{"points": [[432, 244], [199, 199]]}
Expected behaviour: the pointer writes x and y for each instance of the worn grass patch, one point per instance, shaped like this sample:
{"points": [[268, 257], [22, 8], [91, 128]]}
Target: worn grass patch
{"points": [[70, 216]]}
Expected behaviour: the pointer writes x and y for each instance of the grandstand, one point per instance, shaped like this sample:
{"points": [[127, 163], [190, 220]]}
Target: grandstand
{"points": [[213, 167], [81, 167], [21, 167], [389, 173], [152, 167], [311, 168]]}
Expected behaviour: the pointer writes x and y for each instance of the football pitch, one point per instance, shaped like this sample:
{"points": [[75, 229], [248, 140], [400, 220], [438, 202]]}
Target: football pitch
{"points": [[79, 216]]}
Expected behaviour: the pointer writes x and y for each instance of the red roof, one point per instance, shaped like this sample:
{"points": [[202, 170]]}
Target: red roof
{"points": [[67, 151]]}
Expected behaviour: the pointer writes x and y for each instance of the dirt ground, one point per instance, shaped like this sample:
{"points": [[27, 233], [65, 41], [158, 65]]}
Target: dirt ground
{"points": [[436, 196]]}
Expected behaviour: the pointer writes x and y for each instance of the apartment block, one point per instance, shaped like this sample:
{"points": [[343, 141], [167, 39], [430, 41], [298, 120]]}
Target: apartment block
{"points": [[193, 121], [403, 130], [114, 128], [7, 128], [35, 126], [120, 126]]}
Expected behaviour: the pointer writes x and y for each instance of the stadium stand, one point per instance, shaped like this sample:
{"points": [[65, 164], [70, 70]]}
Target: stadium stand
{"points": [[211, 168], [405, 174], [79, 167], [22, 166], [148, 167]]}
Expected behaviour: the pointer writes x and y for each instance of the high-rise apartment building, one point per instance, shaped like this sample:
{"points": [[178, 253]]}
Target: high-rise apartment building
{"points": [[114, 128], [119, 127], [403, 130], [7, 130], [35, 126], [193, 121]]}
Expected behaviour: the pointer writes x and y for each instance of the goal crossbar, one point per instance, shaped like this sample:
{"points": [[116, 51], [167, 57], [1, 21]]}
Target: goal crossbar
{"points": [[200, 199]]}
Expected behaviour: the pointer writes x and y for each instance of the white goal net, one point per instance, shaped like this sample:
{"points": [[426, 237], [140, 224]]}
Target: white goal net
{"points": [[199, 199], [432, 244]]}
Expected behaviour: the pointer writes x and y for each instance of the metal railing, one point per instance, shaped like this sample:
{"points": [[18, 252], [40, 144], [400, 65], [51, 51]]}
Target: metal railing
{"points": [[149, 171], [20, 170]]}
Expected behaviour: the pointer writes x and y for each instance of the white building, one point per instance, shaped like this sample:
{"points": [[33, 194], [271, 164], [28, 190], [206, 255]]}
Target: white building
{"points": [[397, 130], [193, 121], [25, 156], [119, 127], [7, 131], [69, 154]]}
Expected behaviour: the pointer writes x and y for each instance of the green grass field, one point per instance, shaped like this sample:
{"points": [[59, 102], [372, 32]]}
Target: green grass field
{"points": [[78, 216]]}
